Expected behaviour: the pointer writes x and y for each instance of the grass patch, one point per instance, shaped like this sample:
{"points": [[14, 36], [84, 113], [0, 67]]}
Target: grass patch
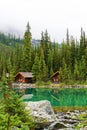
{"points": [[65, 109], [42, 84]]}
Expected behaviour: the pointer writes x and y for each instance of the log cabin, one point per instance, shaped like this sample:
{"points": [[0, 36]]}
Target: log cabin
{"points": [[24, 77], [55, 77]]}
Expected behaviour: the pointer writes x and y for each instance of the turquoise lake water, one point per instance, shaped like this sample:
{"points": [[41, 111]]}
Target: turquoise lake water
{"points": [[59, 97]]}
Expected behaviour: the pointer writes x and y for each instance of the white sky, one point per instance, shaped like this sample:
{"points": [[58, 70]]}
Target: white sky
{"points": [[54, 15]]}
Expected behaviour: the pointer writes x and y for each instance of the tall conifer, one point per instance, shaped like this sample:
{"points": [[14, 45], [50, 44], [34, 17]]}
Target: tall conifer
{"points": [[27, 49]]}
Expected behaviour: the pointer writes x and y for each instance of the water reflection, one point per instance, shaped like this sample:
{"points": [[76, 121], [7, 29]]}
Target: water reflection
{"points": [[59, 97]]}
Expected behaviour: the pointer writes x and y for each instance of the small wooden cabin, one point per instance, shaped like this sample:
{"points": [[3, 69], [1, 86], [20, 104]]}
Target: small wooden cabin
{"points": [[24, 77], [55, 77]]}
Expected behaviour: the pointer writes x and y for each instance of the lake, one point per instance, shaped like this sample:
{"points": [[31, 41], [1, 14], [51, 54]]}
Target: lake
{"points": [[59, 97]]}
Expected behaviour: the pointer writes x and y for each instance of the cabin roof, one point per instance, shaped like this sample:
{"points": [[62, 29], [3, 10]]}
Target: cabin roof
{"points": [[54, 74], [25, 74]]}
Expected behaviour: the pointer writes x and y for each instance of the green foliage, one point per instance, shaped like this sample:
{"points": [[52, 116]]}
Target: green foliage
{"points": [[27, 49], [36, 68], [83, 121], [45, 58], [76, 71], [10, 40], [12, 110], [56, 57], [43, 84]]}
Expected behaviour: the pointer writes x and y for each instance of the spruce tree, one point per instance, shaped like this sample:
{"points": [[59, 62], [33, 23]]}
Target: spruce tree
{"points": [[82, 69], [82, 43], [72, 54], [44, 72], [76, 71], [27, 49], [44, 68], [66, 74], [36, 68], [42, 42], [10, 72], [19, 58], [56, 57], [12, 110], [50, 61]]}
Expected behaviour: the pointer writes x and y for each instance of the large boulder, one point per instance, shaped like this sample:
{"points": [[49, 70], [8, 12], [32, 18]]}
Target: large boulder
{"points": [[42, 112]]}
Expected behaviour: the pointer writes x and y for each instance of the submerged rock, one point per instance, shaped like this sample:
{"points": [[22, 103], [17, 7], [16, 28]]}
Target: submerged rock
{"points": [[42, 112]]}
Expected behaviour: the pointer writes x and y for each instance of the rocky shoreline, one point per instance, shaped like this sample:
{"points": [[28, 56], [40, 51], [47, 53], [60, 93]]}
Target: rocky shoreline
{"points": [[46, 119], [72, 120], [69, 121]]}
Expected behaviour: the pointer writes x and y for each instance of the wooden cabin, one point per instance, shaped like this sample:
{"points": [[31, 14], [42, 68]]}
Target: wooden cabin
{"points": [[55, 77], [24, 77]]}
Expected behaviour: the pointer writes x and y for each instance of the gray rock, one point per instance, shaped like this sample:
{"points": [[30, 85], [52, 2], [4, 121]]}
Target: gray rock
{"points": [[42, 112], [85, 128], [57, 125], [67, 129]]}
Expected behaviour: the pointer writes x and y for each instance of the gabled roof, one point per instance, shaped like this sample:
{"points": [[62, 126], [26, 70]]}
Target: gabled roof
{"points": [[54, 74], [25, 74]]}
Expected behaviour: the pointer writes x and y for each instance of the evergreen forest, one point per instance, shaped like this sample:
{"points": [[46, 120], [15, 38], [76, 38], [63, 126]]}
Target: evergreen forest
{"points": [[44, 58]]}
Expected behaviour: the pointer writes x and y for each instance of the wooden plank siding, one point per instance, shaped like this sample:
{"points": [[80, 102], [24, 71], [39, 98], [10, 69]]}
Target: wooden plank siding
{"points": [[24, 77], [55, 77]]}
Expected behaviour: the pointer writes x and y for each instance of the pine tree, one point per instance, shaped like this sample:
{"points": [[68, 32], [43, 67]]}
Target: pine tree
{"points": [[85, 58], [65, 72], [19, 60], [82, 69], [44, 68], [12, 110], [44, 71], [10, 72], [82, 43], [27, 49], [42, 42], [76, 71], [51, 71], [72, 54], [36, 68], [56, 57], [3, 64], [50, 61], [44, 45]]}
